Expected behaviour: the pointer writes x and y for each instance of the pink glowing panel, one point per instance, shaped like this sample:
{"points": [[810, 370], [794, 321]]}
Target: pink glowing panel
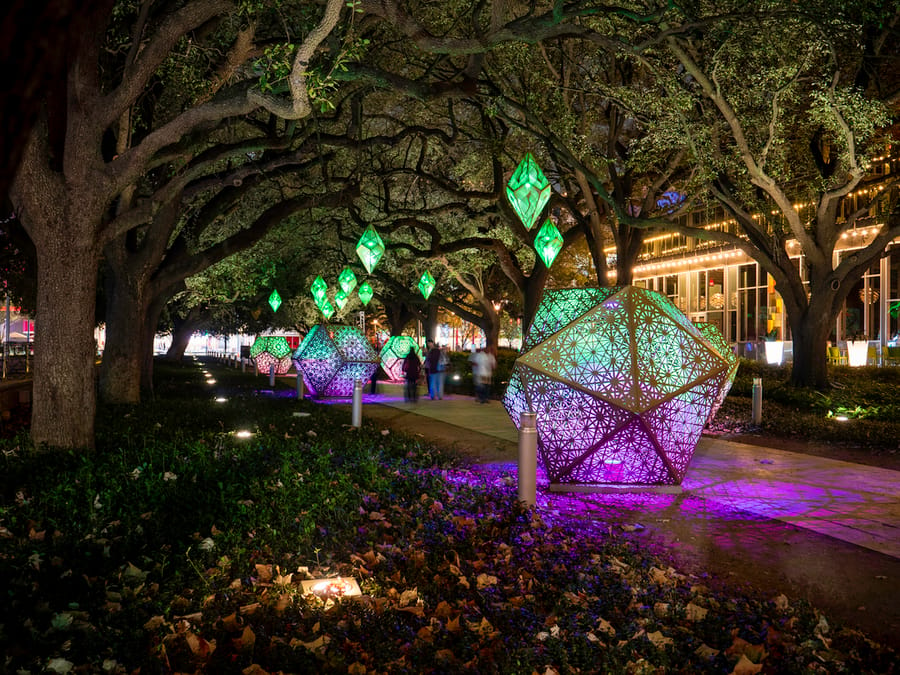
{"points": [[332, 358], [622, 384], [393, 352], [271, 350]]}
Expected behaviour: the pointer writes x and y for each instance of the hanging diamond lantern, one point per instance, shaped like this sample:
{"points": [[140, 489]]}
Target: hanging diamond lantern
{"points": [[365, 293], [426, 283], [528, 191], [347, 281], [319, 288], [340, 299], [548, 242], [326, 308], [274, 300], [370, 248]]}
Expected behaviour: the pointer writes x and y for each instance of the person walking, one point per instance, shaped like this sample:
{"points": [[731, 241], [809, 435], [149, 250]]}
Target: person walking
{"points": [[412, 369], [434, 369], [483, 363]]}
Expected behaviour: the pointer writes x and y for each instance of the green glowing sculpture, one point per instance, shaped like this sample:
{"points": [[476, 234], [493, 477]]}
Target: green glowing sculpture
{"points": [[326, 308], [622, 384], [274, 300], [319, 288], [365, 293], [340, 299], [347, 281], [548, 242], [370, 248], [528, 191], [271, 350], [426, 283]]}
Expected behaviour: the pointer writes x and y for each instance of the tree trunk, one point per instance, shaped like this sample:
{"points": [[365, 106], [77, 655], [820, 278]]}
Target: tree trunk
{"points": [[150, 327], [181, 335], [810, 331], [531, 295], [120, 372], [65, 396]]}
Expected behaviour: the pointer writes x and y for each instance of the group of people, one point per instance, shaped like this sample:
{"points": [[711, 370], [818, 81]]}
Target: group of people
{"points": [[437, 363]]}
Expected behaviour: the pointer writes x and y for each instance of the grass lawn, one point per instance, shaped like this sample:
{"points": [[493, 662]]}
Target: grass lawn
{"points": [[179, 546]]}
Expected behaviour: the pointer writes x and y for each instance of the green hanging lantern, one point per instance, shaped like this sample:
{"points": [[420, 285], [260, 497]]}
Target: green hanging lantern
{"points": [[319, 288], [528, 191], [365, 293], [347, 281], [548, 242], [274, 300], [426, 283], [326, 308], [370, 248], [340, 299]]}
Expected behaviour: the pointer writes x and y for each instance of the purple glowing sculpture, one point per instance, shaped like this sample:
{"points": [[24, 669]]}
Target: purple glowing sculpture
{"points": [[717, 340], [271, 350], [332, 358], [622, 384], [393, 352]]}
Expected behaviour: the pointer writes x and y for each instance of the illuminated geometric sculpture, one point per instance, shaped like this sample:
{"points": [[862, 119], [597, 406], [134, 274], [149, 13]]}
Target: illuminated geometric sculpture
{"points": [[393, 352], [340, 299], [622, 384], [319, 288], [370, 248], [548, 242], [347, 281], [718, 341], [365, 293], [426, 283], [528, 191], [326, 308], [274, 300], [332, 358], [269, 350]]}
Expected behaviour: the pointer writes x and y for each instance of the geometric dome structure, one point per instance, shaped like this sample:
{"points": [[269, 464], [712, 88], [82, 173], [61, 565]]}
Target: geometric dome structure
{"points": [[621, 382], [393, 352], [269, 350], [332, 358], [718, 341]]}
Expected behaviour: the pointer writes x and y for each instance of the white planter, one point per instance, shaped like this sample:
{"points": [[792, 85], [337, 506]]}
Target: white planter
{"points": [[857, 352], [774, 352]]}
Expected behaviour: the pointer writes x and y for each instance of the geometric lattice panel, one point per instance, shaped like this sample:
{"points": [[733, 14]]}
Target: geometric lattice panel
{"points": [[622, 384], [718, 341], [332, 358], [393, 352], [271, 350]]}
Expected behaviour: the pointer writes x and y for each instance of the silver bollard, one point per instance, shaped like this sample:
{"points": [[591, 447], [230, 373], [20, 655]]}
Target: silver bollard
{"points": [[301, 387], [272, 376], [756, 413], [528, 458], [356, 412], [243, 365]]}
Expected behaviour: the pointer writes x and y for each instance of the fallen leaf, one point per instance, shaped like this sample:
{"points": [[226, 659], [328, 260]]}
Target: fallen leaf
{"points": [[706, 651], [485, 580], [781, 603], [356, 668], [745, 666], [659, 640], [694, 612], [60, 666], [264, 572], [408, 597]]}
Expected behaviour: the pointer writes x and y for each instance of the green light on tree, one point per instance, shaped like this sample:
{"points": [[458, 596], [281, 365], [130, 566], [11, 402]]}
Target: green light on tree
{"points": [[548, 242], [528, 191], [319, 288], [347, 281], [326, 308], [274, 300], [370, 248], [340, 299], [426, 284], [365, 293]]}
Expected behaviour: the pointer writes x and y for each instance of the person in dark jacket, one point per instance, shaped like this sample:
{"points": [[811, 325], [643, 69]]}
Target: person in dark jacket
{"points": [[434, 366], [412, 368]]}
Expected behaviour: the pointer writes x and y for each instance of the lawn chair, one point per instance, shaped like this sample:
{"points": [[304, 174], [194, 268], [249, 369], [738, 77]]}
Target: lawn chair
{"points": [[893, 356], [835, 358], [872, 359]]}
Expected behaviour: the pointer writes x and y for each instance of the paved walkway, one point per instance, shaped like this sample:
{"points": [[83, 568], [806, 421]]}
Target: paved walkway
{"points": [[807, 526]]}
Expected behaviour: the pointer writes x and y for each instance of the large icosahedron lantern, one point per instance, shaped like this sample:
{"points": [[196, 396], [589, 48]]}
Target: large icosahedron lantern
{"points": [[271, 350], [393, 352], [332, 358], [622, 384]]}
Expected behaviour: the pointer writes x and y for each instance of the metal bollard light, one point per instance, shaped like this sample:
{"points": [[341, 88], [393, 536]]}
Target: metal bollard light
{"points": [[243, 365], [272, 376], [756, 413], [527, 478], [356, 412], [301, 387]]}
